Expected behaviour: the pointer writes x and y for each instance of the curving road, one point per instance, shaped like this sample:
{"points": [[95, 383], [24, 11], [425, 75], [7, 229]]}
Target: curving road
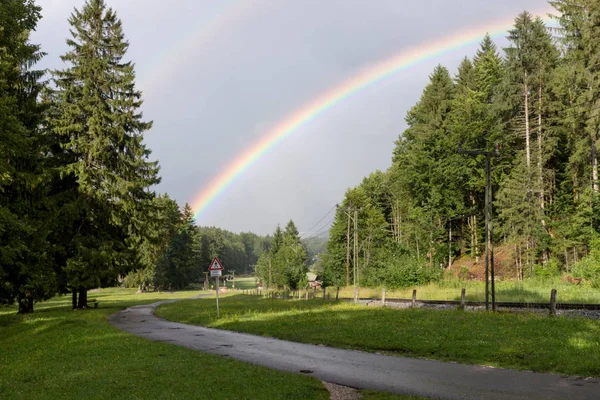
{"points": [[358, 369]]}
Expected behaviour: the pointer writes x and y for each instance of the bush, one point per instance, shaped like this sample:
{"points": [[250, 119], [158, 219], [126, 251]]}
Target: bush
{"points": [[549, 270], [589, 267], [406, 271]]}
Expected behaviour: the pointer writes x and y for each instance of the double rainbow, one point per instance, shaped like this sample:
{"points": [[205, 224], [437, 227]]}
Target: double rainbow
{"points": [[370, 76]]}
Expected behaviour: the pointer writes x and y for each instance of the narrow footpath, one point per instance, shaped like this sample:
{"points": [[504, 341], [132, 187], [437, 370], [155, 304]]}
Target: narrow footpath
{"points": [[428, 378]]}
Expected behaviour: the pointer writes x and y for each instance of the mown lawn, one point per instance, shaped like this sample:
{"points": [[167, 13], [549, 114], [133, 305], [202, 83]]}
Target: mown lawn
{"points": [[57, 353], [562, 345]]}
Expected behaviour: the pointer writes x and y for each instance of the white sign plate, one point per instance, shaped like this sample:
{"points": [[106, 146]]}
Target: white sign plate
{"points": [[215, 272]]}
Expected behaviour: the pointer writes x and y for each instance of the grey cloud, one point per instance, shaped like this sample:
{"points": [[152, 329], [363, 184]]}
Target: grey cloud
{"points": [[217, 98]]}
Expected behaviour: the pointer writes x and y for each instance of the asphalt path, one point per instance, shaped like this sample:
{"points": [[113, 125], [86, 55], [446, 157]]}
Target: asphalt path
{"points": [[428, 378]]}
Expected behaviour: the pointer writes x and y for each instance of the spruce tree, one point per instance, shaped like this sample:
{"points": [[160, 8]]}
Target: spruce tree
{"points": [[292, 256], [26, 274], [106, 175], [178, 266]]}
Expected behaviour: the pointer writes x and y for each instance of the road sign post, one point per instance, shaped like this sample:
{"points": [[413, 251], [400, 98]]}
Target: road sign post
{"points": [[216, 269]]}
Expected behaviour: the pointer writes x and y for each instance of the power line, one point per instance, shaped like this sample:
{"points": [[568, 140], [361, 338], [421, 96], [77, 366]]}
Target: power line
{"points": [[321, 220], [323, 230]]}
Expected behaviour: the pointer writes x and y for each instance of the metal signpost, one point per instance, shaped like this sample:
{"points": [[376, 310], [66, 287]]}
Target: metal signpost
{"points": [[216, 269]]}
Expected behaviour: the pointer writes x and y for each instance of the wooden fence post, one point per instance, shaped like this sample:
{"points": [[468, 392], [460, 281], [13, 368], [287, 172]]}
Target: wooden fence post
{"points": [[306, 294], [414, 298], [462, 298], [383, 297], [337, 293], [324, 293], [553, 303]]}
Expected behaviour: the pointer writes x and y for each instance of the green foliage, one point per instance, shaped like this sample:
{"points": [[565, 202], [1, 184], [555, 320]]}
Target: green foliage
{"points": [[549, 270], [104, 172], [285, 264], [26, 272], [589, 267], [535, 102], [178, 266]]}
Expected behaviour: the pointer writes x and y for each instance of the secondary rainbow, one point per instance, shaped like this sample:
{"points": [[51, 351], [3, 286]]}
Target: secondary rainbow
{"points": [[206, 29], [370, 76]]}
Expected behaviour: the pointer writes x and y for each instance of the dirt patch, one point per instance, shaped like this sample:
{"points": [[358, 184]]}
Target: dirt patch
{"points": [[338, 392], [467, 267]]}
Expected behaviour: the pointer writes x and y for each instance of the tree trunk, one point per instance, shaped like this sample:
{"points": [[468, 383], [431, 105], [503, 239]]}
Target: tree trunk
{"points": [[348, 251], [270, 274], [594, 164], [82, 298], [140, 289], [418, 254], [74, 298], [450, 245], [527, 146], [541, 156], [517, 261]]}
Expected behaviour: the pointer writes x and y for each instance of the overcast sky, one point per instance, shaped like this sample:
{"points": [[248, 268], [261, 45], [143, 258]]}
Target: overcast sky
{"points": [[217, 74]]}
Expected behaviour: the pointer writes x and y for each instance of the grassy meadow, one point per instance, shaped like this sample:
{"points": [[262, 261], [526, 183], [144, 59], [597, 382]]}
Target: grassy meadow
{"points": [[57, 353], [527, 341], [529, 290]]}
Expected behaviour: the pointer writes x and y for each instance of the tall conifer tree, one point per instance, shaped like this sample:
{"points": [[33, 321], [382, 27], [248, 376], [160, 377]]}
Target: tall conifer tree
{"points": [[106, 169], [25, 271]]}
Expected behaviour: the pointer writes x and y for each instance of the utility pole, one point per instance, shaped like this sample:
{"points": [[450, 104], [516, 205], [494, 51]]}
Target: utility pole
{"points": [[489, 249]]}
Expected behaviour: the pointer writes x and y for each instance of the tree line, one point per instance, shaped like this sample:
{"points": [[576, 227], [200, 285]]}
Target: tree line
{"points": [[283, 264], [538, 102], [77, 205], [186, 251]]}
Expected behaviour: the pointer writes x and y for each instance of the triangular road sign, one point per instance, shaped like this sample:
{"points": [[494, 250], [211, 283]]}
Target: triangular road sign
{"points": [[215, 265]]}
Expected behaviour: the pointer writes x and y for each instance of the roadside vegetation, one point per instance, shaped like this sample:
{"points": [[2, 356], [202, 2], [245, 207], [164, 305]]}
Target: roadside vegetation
{"points": [[526, 341], [528, 291]]}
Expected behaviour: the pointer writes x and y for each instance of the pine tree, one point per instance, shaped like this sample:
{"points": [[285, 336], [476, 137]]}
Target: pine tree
{"points": [[580, 29], [106, 175], [26, 274], [293, 256], [530, 60], [179, 265]]}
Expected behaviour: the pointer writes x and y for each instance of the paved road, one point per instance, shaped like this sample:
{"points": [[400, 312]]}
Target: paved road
{"points": [[427, 378]]}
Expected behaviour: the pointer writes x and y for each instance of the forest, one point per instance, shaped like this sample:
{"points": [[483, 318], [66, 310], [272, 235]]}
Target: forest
{"points": [[536, 103], [78, 208]]}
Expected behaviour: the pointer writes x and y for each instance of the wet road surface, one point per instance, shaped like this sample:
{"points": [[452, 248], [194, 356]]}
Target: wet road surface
{"points": [[435, 379]]}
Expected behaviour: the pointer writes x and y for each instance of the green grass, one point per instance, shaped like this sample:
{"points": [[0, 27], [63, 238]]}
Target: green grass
{"points": [[529, 291], [562, 345], [57, 353], [242, 283]]}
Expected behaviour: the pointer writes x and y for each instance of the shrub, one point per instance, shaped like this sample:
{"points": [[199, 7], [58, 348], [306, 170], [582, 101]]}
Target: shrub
{"points": [[589, 267], [549, 270]]}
